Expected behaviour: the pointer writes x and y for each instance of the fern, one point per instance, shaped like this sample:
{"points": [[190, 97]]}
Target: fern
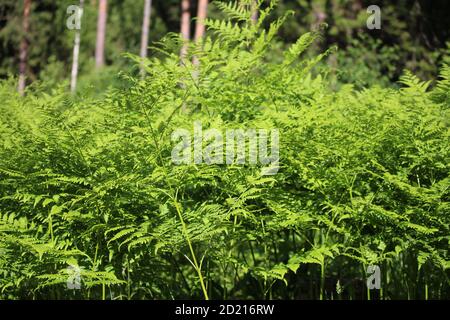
{"points": [[413, 83], [363, 179]]}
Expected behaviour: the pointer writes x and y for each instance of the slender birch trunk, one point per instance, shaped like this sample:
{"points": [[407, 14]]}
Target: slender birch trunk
{"points": [[145, 32], [76, 52]]}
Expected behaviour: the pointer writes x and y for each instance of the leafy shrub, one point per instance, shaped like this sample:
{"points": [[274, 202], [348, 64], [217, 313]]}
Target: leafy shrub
{"points": [[90, 182]]}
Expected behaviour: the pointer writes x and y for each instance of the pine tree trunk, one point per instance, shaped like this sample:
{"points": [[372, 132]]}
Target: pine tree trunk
{"points": [[185, 25], [76, 54], [201, 16], [255, 13], [200, 24], [23, 55], [101, 33], [320, 15], [145, 31]]}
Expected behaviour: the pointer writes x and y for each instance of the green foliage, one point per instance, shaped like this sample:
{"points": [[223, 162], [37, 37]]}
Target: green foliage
{"points": [[90, 182], [413, 36]]}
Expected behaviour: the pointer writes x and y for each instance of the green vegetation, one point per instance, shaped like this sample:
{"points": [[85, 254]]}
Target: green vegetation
{"points": [[364, 180], [413, 36]]}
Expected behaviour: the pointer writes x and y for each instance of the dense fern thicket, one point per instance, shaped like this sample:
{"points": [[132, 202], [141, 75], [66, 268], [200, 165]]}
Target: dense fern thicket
{"points": [[363, 180]]}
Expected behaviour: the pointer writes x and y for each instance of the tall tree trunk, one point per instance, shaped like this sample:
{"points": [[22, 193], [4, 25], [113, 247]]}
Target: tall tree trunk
{"points": [[200, 24], [76, 53], [101, 33], [319, 9], [185, 25], [23, 55], [201, 16], [320, 15], [145, 32], [255, 13]]}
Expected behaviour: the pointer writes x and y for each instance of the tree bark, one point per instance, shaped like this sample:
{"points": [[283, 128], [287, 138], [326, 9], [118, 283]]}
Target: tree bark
{"points": [[202, 12], [145, 32], [101, 33], [201, 16], [255, 13], [185, 26], [320, 15], [23, 55], [76, 53]]}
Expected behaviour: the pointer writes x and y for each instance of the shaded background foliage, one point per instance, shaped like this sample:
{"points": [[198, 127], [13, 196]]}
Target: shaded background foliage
{"points": [[414, 35]]}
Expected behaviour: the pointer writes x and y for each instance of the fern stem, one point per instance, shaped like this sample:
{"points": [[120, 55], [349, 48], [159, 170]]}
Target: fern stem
{"points": [[322, 280], [50, 227], [191, 249]]}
